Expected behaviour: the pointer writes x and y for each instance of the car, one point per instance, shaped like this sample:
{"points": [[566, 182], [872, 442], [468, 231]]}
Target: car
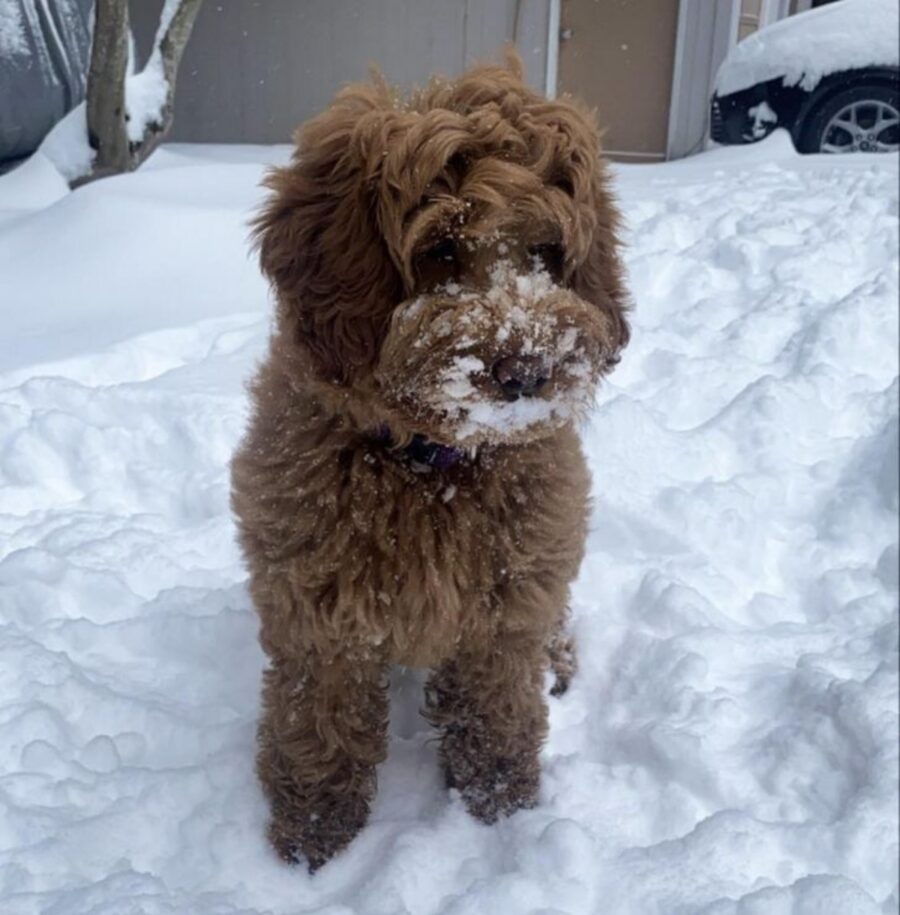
{"points": [[830, 76]]}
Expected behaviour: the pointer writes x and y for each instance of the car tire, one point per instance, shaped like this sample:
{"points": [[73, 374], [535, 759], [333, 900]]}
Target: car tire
{"points": [[862, 118]]}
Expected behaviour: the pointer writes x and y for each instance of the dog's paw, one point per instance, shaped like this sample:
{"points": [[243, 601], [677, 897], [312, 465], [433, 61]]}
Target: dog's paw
{"points": [[317, 834], [498, 789], [560, 687], [563, 663]]}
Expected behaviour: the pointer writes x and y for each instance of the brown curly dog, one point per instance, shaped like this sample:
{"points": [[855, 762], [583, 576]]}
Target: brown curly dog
{"points": [[411, 489]]}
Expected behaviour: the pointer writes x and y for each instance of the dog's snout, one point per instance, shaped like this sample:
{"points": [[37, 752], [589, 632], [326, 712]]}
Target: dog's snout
{"points": [[521, 375]]}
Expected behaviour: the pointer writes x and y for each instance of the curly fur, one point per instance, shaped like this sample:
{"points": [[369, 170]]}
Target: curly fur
{"points": [[358, 559]]}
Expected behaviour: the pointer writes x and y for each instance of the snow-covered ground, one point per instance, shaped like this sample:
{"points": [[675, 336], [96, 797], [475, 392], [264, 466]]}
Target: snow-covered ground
{"points": [[729, 746]]}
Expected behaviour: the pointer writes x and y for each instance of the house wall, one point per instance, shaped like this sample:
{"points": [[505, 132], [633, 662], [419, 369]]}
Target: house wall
{"points": [[255, 69], [648, 66], [755, 14], [706, 32], [750, 18], [619, 58]]}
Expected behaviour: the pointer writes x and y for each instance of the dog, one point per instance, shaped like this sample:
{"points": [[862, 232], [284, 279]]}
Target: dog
{"points": [[411, 488]]}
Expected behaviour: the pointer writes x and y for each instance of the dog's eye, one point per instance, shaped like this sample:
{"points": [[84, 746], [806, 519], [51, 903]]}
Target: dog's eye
{"points": [[565, 184], [443, 250], [550, 256], [438, 263]]}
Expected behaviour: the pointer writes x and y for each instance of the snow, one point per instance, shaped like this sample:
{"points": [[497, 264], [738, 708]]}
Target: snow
{"points": [[136, 253], [760, 115], [35, 184], [729, 744], [66, 145], [145, 94], [805, 48]]}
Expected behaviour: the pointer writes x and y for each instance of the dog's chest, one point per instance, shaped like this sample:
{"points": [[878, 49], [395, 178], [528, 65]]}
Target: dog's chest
{"points": [[376, 555], [435, 547]]}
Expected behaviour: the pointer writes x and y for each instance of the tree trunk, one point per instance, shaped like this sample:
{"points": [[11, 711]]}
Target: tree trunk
{"points": [[106, 88], [107, 103]]}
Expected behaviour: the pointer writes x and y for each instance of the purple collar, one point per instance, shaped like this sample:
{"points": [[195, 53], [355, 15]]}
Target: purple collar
{"points": [[421, 451]]}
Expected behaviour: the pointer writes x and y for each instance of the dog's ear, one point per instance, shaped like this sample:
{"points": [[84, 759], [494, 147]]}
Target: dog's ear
{"points": [[599, 278], [575, 167], [318, 237]]}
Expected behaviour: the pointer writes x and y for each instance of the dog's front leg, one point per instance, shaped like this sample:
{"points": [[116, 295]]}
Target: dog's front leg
{"points": [[489, 706], [323, 731]]}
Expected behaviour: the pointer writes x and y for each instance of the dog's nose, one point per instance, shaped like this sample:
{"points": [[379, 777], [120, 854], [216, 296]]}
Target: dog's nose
{"points": [[523, 374]]}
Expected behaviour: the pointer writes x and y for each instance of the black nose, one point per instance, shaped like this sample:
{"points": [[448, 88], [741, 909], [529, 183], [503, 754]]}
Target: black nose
{"points": [[523, 374]]}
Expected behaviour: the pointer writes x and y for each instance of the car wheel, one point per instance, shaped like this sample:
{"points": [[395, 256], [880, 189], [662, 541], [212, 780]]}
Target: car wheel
{"points": [[860, 119]]}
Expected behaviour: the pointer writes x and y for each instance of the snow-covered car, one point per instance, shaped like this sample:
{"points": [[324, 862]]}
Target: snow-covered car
{"points": [[829, 76]]}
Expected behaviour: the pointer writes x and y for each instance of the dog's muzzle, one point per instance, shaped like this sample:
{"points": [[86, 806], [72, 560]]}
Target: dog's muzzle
{"points": [[504, 365]]}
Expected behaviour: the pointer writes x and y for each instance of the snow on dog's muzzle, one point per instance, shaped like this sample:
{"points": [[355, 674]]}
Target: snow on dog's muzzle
{"points": [[508, 364]]}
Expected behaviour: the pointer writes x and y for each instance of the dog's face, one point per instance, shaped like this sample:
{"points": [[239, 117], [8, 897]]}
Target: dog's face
{"points": [[490, 343], [452, 259]]}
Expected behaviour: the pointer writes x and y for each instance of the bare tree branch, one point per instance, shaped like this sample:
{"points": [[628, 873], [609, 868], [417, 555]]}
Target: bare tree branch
{"points": [[106, 88]]}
